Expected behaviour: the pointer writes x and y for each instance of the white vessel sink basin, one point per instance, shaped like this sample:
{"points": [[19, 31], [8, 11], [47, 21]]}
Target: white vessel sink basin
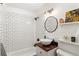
{"points": [[45, 41]]}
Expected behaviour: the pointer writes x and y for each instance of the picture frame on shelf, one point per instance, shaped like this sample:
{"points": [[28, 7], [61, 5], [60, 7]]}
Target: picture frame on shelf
{"points": [[72, 16]]}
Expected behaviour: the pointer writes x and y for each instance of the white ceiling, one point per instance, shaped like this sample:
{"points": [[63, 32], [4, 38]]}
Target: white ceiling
{"points": [[36, 8]]}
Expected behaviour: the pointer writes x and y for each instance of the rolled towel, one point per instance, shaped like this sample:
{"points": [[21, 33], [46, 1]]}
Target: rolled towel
{"points": [[61, 52]]}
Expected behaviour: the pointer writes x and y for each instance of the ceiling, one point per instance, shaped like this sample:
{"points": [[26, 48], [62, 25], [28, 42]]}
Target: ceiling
{"points": [[36, 8]]}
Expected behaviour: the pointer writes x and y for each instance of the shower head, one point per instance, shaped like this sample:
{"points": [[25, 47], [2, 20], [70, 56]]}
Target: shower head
{"points": [[1, 3], [36, 18]]}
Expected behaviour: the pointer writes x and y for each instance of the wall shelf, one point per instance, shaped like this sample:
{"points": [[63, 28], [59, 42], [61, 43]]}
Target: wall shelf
{"points": [[69, 23]]}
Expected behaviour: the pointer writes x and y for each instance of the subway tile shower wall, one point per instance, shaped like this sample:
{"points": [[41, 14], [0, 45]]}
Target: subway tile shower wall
{"points": [[16, 33], [8, 26]]}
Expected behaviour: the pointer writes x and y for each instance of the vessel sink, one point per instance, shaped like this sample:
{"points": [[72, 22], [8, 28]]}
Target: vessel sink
{"points": [[45, 41]]}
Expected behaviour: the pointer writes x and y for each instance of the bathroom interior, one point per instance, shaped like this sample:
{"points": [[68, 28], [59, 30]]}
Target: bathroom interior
{"points": [[39, 29]]}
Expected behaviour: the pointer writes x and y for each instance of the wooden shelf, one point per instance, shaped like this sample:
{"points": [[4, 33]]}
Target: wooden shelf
{"points": [[69, 23]]}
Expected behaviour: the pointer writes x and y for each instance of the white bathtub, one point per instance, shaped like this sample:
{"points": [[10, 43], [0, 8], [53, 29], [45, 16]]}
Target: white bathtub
{"points": [[71, 47], [23, 52]]}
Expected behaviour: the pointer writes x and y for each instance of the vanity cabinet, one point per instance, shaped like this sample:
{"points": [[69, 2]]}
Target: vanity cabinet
{"points": [[42, 50]]}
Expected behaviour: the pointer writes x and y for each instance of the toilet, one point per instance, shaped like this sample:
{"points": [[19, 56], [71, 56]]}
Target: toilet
{"points": [[61, 52]]}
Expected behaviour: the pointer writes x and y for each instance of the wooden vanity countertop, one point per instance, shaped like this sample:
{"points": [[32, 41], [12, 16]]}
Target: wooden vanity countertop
{"points": [[47, 47]]}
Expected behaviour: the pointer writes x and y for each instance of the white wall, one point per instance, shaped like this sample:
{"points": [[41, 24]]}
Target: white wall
{"points": [[19, 29], [40, 31], [59, 10]]}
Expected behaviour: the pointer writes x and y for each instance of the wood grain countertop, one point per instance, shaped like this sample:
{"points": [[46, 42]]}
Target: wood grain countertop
{"points": [[47, 47]]}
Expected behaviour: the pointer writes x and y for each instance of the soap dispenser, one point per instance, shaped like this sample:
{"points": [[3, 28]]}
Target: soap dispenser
{"points": [[44, 36]]}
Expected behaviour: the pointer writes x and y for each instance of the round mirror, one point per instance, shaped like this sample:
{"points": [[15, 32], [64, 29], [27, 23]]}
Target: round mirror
{"points": [[51, 24]]}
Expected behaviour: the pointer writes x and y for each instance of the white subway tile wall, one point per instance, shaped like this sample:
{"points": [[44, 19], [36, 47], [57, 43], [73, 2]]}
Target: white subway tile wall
{"points": [[16, 33]]}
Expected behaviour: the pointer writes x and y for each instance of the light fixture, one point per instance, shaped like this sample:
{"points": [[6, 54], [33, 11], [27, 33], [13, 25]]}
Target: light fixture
{"points": [[50, 10]]}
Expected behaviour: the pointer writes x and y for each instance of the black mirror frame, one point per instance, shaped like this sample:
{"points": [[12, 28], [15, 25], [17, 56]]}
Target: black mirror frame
{"points": [[56, 26]]}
